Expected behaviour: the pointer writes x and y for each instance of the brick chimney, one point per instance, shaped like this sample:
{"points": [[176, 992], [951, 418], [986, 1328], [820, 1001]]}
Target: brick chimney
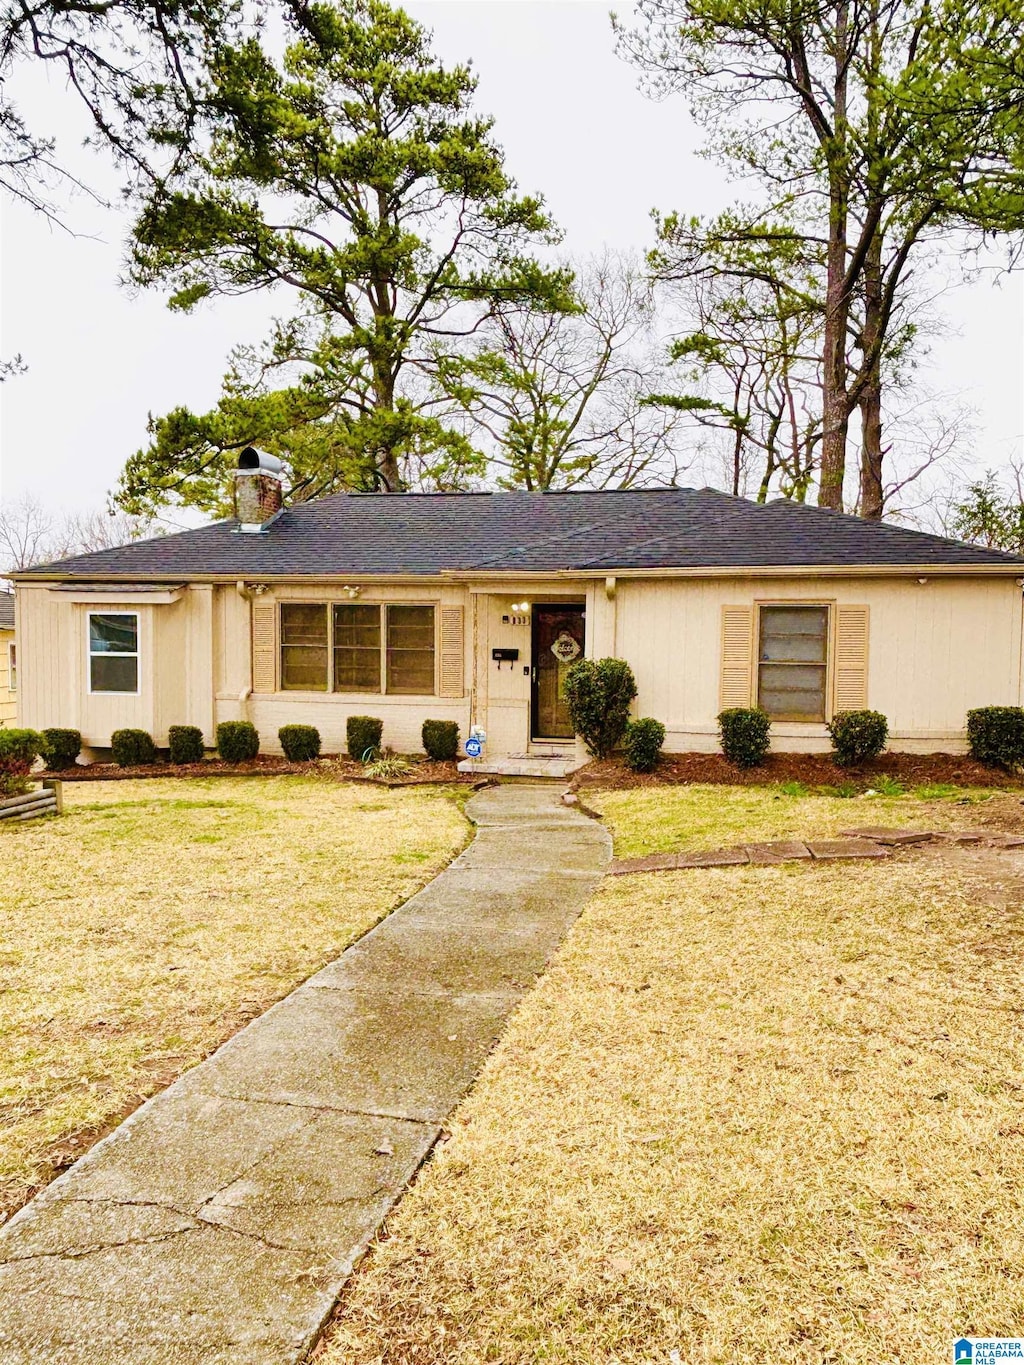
{"points": [[259, 495]]}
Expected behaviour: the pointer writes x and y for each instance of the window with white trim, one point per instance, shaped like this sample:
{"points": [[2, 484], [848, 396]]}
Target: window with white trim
{"points": [[792, 661], [114, 651], [12, 667]]}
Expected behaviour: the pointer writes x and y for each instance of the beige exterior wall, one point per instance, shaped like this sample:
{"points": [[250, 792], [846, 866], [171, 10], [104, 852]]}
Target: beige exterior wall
{"points": [[175, 663], [935, 649], [196, 668], [8, 699], [403, 716]]}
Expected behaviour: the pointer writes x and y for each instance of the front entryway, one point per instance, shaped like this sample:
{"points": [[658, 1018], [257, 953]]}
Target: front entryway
{"points": [[558, 641]]}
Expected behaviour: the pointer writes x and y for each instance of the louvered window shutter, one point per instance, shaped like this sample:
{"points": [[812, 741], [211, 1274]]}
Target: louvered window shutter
{"points": [[264, 645], [736, 684], [851, 664], [452, 653]]}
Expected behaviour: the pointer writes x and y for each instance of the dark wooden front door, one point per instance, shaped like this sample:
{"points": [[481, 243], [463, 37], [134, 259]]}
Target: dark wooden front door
{"points": [[555, 630]]}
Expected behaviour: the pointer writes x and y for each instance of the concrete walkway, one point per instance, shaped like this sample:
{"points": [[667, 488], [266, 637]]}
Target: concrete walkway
{"points": [[218, 1224]]}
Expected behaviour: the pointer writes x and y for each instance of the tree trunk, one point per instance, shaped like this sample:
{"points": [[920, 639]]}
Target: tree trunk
{"points": [[835, 399], [386, 457], [835, 407], [389, 471], [872, 497]]}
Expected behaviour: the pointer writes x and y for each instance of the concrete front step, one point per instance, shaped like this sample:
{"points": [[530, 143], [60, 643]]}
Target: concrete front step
{"points": [[522, 765]]}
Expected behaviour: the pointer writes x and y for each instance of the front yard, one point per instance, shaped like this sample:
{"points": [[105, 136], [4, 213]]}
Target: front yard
{"points": [[157, 917], [749, 1114]]}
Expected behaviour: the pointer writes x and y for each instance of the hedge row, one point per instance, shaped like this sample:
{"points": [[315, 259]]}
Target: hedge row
{"points": [[238, 741], [599, 694]]}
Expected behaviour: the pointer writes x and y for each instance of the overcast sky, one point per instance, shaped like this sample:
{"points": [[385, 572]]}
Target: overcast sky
{"points": [[574, 127]]}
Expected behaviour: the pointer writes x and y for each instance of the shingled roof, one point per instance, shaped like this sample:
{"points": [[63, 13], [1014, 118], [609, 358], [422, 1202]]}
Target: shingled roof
{"points": [[6, 610], [352, 534]]}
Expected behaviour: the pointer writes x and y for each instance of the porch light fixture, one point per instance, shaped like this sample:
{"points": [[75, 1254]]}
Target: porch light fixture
{"points": [[520, 606]]}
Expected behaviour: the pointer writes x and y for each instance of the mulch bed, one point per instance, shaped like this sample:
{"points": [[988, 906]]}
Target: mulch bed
{"points": [[813, 770], [335, 769]]}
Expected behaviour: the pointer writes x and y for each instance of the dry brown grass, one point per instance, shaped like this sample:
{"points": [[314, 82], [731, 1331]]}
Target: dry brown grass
{"points": [[663, 819], [748, 1115], [140, 930]]}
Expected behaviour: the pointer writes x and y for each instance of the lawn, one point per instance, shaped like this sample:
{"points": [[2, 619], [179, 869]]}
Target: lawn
{"points": [[749, 1114], [156, 917], [664, 819]]}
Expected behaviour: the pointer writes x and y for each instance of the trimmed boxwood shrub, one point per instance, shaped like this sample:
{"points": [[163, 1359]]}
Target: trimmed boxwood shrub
{"points": [[598, 693], [19, 750], [185, 743], [441, 739], [996, 736], [362, 734], [132, 748], [301, 743], [857, 736], [644, 739], [745, 734], [237, 741], [61, 748]]}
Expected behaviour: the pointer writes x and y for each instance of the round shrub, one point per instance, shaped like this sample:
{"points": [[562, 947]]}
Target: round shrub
{"points": [[61, 748], [857, 736], [132, 748], [362, 734], [598, 693], [745, 735], [185, 743], [441, 739], [996, 736], [238, 741], [301, 743], [644, 739], [19, 750]]}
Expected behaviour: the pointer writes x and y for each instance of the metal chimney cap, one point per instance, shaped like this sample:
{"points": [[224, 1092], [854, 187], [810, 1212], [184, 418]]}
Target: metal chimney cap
{"points": [[252, 460]]}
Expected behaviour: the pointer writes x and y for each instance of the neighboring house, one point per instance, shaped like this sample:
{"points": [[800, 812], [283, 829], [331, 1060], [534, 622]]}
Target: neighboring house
{"points": [[472, 606], [8, 661]]}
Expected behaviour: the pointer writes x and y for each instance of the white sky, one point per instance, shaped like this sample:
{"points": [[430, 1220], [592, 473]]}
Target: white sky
{"points": [[574, 127]]}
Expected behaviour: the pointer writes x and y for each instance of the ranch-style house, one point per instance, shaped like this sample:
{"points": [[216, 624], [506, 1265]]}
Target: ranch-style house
{"points": [[471, 607]]}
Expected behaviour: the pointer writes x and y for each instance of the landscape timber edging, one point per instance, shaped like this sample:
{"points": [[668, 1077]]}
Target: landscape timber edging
{"points": [[46, 800]]}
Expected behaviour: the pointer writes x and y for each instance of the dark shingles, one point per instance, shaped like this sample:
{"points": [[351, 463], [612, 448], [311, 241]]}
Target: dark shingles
{"points": [[424, 534]]}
